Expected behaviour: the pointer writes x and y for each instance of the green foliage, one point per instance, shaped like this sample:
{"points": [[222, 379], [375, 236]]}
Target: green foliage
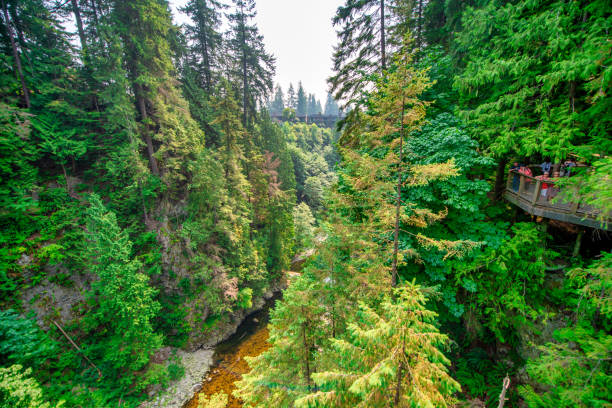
{"points": [[281, 374], [244, 299], [123, 299], [481, 377], [22, 341], [504, 285], [304, 224], [391, 354], [535, 79], [572, 372], [314, 158], [19, 390], [175, 371]]}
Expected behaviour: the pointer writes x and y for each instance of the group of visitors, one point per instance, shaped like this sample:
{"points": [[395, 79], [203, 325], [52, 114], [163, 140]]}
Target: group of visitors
{"points": [[548, 189]]}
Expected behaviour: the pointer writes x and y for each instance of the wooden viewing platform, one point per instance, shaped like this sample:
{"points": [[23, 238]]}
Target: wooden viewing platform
{"points": [[528, 196]]}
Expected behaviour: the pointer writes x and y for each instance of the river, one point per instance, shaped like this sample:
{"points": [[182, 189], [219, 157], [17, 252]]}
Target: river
{"points": [[250, 340]]}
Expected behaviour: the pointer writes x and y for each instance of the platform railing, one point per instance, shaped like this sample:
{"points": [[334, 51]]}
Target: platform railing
{"points": [[526, 192]]}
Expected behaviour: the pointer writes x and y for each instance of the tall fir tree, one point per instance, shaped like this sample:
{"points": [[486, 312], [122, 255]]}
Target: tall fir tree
{"points": [[392, 355], [252, 66], [362, 49], [171, 135], [291, 98], [206, 39], [301, 108], [277, 104], [331, 107], [124, 300]]}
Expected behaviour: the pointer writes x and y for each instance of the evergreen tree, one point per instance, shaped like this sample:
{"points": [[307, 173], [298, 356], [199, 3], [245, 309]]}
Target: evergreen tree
{"points": [[252, 67], [396, 111], [291, 98], [277, 105], [331, 107], [205, 38], [362, 48], [282, 374], [301, 101], [394, 355], [171, 135], [554, 103], [314, 106], [124, 301]]}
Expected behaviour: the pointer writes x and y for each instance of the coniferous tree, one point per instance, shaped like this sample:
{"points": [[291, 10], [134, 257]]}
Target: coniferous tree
{"points": [[313, 105], [252, 67], [171, 135], [291, 98], [391, 355], [205, 38], [277, 104], [362, 48], [554, 103], [301, 108], [331, 107], [125, 301]]}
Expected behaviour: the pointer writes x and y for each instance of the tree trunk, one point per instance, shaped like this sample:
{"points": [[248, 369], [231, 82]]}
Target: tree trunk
{"points": [[205, 56], [79, 23], [245, 82], [143, 116], [500, 179], [398, 202], [383, 51], [578, 243], [307, 358], [419, 28], [20, 37], [24, 87], [398, 385], [95, 14]]}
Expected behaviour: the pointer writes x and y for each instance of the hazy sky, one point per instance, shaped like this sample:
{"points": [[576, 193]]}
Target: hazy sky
{"points": [[300, 35]]}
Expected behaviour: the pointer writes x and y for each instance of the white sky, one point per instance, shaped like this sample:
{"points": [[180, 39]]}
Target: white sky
{"points": [[300, 35]]}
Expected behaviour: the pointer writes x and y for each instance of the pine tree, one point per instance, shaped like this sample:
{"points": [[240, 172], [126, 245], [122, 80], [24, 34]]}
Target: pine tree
{"points": [[171, 135], [391, 355], [291, 98], [125, 304], [362, 48], [282, 374], [277, 105], [331, 107], [301, 101], [205, 38], [252, 67]]}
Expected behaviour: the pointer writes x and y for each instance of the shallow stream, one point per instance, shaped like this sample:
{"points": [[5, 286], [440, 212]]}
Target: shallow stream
{"points": [[250, 340]]}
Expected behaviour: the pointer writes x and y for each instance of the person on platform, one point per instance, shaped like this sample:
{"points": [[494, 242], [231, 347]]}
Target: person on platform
{"points": [[544, 191], [546, 166], [515, 178]]}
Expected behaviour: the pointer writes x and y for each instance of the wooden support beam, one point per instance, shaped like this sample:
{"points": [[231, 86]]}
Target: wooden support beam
{"points": [[536, 192], [522, 185]]}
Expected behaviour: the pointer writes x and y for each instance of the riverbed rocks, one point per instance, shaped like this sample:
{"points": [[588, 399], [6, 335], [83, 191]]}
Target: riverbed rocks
{"points": [[196, 364]]}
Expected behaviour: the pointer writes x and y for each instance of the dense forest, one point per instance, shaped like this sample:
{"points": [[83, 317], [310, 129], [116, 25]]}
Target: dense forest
{"points": [[149, 202]]}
